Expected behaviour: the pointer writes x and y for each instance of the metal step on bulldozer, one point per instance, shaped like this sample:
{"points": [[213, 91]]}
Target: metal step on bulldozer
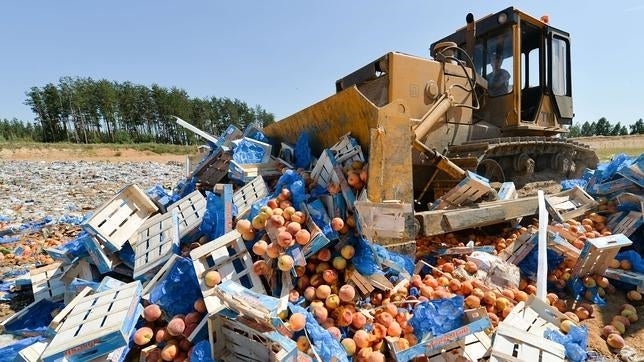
{"points": [[494, 99]]}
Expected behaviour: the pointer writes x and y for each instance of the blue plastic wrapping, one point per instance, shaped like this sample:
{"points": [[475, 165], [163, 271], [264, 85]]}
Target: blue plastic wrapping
{"points": [[213, 224], [578, 290], [395, 261], [201, 352], [76, 247], [10, 352], [36, 319], [248, 152], [528, 265], [319, 215], [616, 163], [364, 259], [303, 157], [437, 316], [256, 206], [575, 342], [570, 184], [126, 254], [327, 347], [74, 220], [9, 239], [177, 292], [637, 263], [255, 133]]}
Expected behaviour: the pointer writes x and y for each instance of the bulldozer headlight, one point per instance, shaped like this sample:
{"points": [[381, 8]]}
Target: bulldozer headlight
{"points": [[503, 17]]}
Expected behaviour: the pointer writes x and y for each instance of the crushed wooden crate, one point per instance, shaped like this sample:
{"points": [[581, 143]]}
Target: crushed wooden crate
{"points": [[156, 241], [470, 189], [81, 270], [251, 304], [562, 246], [236, 338], [610, 188], [58, 319], [97, 325], [190, 211], [227, 255], [569, 204], [158, 277], [104, 260], [117, 220], [563, 232], [477, 320], [520, 247], [214, 168], [248, 194], [520, 336], [46, 282], [386, 220], [327, 170], [247, 172], [31, 353], [625, 222], [597, 254], [626, 276], [347, 150], [318, 239]]}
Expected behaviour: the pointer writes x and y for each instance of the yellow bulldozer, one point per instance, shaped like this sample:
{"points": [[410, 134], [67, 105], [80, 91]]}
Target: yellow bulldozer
{"points": [[494, 99]]}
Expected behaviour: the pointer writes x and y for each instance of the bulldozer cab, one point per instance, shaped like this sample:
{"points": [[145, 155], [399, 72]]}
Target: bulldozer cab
{"points": [[526, 64]]}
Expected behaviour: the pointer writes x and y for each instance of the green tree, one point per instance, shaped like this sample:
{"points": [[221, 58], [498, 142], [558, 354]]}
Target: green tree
{"points": [[637, 127], [574, 131], [603, 127]]}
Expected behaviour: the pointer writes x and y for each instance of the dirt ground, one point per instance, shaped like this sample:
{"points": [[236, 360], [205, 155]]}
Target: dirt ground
{"points": [[97, 154]]}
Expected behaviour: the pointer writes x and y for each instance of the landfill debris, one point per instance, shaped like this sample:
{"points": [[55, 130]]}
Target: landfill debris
{"points": [[251, 258]]}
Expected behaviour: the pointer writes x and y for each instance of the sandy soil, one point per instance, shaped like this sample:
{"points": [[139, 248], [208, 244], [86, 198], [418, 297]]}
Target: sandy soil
{"points": [[97, 154]]}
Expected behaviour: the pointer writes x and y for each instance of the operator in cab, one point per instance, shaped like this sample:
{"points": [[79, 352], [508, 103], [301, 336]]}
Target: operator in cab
{"points": [[498, 80]]}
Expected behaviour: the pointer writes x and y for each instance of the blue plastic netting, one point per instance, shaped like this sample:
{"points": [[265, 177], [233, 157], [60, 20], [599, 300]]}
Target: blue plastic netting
{"points": [[575, 342], [364, 259], [177, 292], [570, 184], [294, 183], [437, 316], [637, 263], [326, 346]]}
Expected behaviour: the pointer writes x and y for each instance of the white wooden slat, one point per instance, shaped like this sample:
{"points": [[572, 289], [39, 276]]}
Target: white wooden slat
{"points": [[248, 194], [46, 282]]}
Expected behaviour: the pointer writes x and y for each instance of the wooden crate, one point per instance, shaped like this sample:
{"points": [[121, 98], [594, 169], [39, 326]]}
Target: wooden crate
{"points": [[473, 347], [478, 321], [318, 239], [597, 253], [157, 240], [81, 270], [213, 169], [190, 211], [104, 260], [562, 246], [327, 170], [255, 144], [520, 336], [569, 204], [159, 276], [625, 222], [117, 220], [520, 247], [243, 339], [634, 172], [227, 255], [60, 317], [246, 173], [31, 353], [46, 282], [97, 325], [17, 318], [347, 150], [386, 220], [626, 276], [247, 195], [470, 189]]}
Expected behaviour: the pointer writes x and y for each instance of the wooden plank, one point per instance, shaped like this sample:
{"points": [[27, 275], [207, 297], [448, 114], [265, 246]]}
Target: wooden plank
{"points": [[58, 319], [157, 242], [190, 210]]}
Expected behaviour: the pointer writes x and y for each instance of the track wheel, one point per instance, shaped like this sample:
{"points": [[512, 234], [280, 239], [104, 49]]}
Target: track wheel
{"points": [[491, 170]]}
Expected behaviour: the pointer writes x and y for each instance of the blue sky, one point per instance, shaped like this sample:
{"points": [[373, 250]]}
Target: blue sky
{"points": [[286, 55]]}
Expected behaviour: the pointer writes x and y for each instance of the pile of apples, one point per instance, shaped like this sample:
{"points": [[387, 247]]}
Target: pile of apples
{"points": [[618, 325], [170, 337]]}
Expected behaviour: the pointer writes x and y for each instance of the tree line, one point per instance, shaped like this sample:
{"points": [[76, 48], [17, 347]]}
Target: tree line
{"points": [[604, 128], [84, 110]]}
